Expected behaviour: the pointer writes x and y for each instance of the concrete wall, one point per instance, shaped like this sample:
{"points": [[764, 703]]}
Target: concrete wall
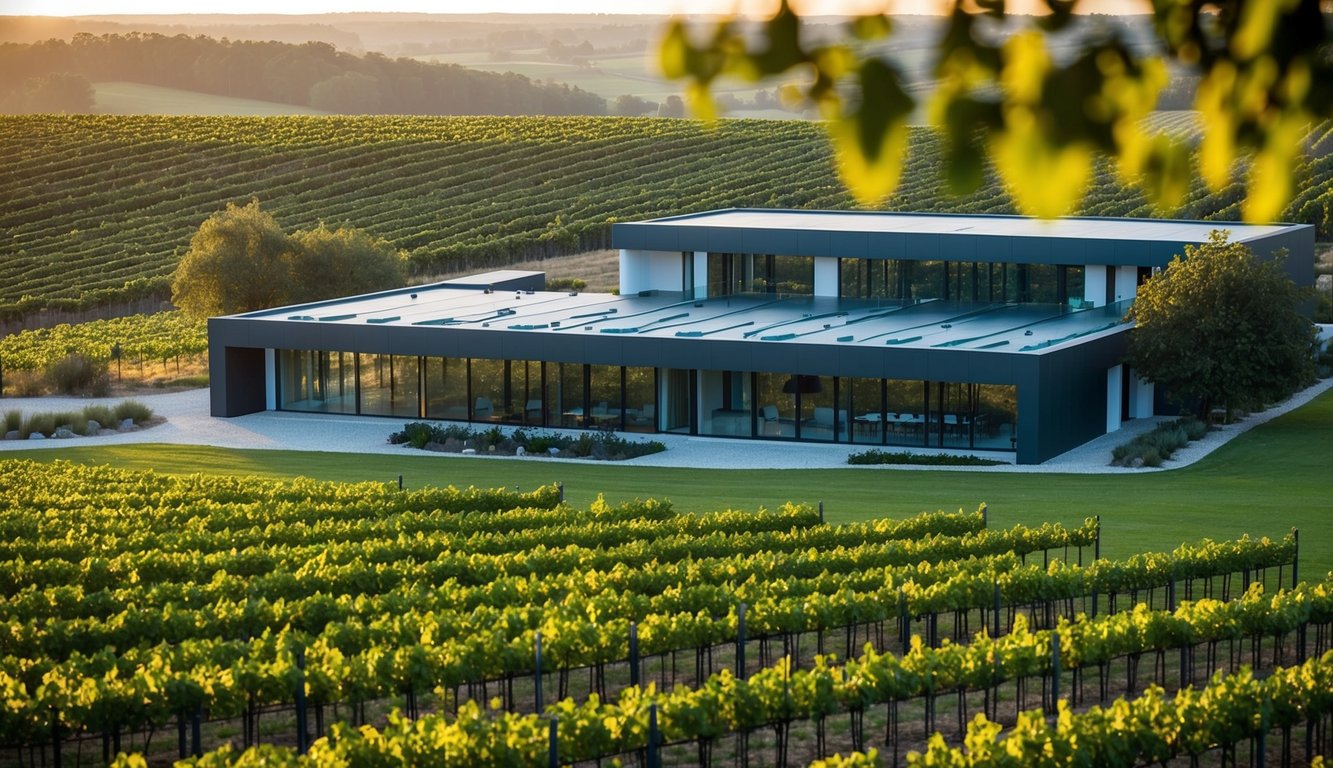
{"points": [[651, 270]]}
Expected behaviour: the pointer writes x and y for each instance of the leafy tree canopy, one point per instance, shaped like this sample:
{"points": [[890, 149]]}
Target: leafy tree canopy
{"points": [[1004, 92], [1222, 327], [241, 260]]}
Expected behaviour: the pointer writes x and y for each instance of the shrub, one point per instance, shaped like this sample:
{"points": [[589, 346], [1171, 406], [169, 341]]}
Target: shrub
{"points": [[13, 420], [1153, 448], [75, 420], [876, 456], [565, 284], [45, 423], [25, 383], [597, 445], [75, 374], [101, 414], [132, 410]]}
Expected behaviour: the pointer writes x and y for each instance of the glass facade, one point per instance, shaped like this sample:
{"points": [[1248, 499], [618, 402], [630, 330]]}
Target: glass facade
{"points": [[320, 382], [389, 385], [908, 280], [790, 406], [737, 273]]}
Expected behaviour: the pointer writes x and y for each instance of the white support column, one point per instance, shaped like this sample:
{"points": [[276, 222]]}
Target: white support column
{"points": [[271, 379], [1094, 285], [826, 276], [633, 271], [701, 274], [1140, 397], [1126, 282], [1113, 384]]}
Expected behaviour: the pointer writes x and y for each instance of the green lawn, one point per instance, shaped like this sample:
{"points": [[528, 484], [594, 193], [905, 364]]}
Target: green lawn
{"points": [[1273, 478]]}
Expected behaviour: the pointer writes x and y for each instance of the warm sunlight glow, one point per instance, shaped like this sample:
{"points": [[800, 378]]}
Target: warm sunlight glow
{"points": [[749, 7]]}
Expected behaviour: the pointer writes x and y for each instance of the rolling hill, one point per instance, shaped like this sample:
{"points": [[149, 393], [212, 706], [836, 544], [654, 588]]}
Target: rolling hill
{"points": [[99, 208]]}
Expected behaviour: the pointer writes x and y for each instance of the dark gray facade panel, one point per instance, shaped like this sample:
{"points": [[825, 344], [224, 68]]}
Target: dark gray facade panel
{"points": [[902, 363], [1098, 252], [769, 241], [1069, 250], [949, 367], [305, 335], [534, 281], [960, 248], [887, 245], [812, 243], [1036, 250], [923, 246], [849, 245], [1299, 244], [1137, 252], [649, 237], [1072, 388], [724, 240], [236, 381], [997, 250], [1029, 402]]}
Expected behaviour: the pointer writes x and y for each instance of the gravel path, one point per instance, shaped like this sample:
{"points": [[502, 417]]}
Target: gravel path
{"points": [[188, 423]]}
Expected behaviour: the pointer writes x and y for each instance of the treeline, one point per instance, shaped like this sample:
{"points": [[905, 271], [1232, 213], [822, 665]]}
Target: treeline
{"points": [[314, 75]]}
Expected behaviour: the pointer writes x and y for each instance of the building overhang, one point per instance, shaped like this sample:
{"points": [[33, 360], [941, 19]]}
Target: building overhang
{"points": [[951, 237]]}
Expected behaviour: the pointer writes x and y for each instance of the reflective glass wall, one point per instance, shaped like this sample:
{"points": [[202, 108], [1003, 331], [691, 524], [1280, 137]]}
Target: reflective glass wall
{"points": [[389, 385], [736, 273], [315, 381], [791, 406], [907, 280]]}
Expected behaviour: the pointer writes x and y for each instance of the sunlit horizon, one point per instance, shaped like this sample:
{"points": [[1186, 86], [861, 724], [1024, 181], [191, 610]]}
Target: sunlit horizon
{"points": [[608, 7]]}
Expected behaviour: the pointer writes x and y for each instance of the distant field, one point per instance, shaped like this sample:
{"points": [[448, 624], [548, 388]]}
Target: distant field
{"points": [[138, 99], [607, 76], [99, 208]]}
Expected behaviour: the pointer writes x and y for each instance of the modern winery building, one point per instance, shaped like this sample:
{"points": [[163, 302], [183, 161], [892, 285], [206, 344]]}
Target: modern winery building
{"points": [[976, 332]]}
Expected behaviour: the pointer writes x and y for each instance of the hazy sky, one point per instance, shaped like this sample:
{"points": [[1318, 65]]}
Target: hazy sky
{"points": [[102, 7]]}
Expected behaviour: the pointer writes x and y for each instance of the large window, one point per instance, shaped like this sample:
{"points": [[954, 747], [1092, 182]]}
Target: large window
{"points": [[735, 273], [525, 392], [605, 397], [446, 388], [905, 419], [322, 382], [775, 413], [489, 388], [821, 418], [959, 281], [865, 404], [564, 395], [389, 385], [641, 400], [678, 400], [997, 417]]}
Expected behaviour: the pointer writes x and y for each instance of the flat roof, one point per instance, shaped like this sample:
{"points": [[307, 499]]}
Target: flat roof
{"points": [[990, 225], [946, 237], [757, 318]]}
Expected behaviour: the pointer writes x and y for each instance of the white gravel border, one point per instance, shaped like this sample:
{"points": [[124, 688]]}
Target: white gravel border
{"points": [[188, 423]]}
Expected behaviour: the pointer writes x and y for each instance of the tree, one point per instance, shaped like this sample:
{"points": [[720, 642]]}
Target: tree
{"points": [[59, 92], [238, 261], [342, 262], [672, 106], [1039, 112], [629, 105], [1222, 327]]}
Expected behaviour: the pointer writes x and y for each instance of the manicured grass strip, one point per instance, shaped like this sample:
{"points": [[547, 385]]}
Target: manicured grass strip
{"points": [[1265, 482]]}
